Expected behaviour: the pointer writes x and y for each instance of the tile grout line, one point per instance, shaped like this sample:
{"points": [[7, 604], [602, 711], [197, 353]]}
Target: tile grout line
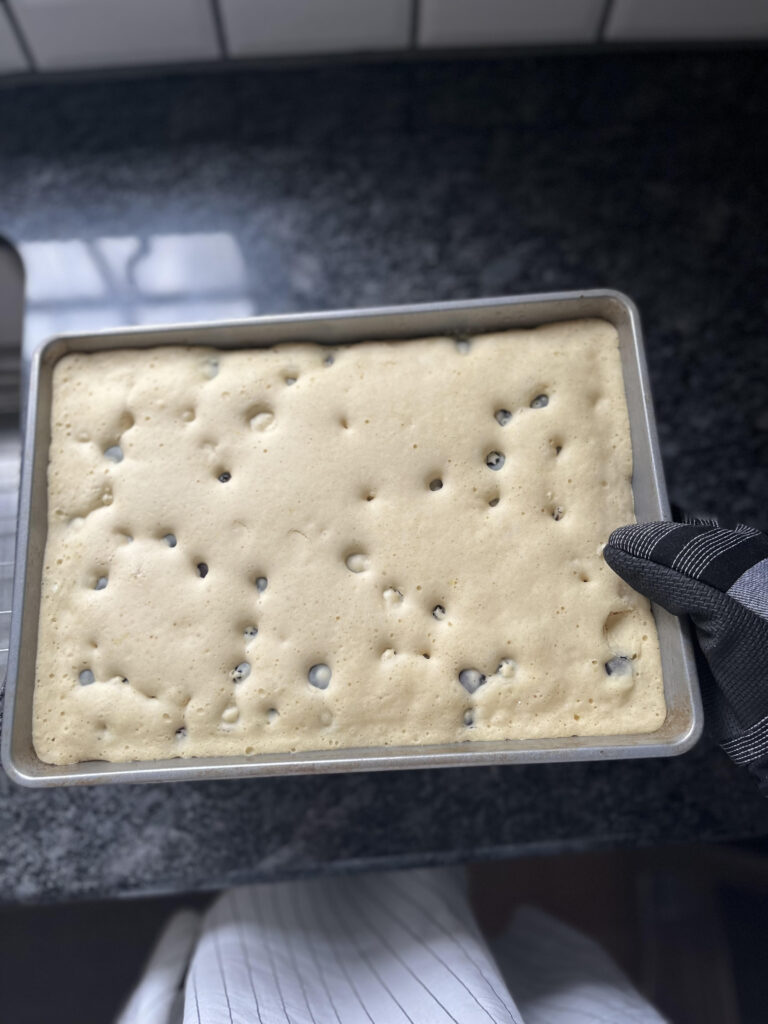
{"points": [[413, 41], [604, 17], [218, 28], [18, 33]]}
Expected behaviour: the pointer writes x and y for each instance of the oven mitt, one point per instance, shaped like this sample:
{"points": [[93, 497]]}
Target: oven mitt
{"points": [[720, 578]]}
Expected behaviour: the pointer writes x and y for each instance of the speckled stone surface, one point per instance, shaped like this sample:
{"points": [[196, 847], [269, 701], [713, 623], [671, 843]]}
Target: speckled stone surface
{"points": [[386, 184]]}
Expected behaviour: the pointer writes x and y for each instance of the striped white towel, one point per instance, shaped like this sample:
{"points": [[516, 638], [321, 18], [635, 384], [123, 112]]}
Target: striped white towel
{"points": [[383, 949], [392, 948]]}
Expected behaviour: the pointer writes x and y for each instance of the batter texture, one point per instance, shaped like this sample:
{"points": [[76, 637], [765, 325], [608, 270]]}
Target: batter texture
{"points": [[307, 548]]}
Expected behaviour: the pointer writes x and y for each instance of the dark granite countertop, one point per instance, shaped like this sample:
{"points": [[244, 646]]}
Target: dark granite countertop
{"points": [[201, 195]]}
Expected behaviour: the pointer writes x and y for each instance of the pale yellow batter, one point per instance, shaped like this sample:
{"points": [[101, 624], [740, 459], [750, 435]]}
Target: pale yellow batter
{"points": [[306, 548]]}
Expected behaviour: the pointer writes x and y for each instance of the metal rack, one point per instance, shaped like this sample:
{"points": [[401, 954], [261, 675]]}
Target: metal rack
{"points": [[10, 452], [11, 321]]}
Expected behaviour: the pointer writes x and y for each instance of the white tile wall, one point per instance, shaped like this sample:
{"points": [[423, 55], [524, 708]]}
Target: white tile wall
{"points": [[72, 34], [101, 33], [659, 20], [11, 57], [454, 23], [266, 27]]}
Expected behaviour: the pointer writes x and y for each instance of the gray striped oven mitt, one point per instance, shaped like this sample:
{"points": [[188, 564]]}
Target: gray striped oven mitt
{"points": [[720, 578]]}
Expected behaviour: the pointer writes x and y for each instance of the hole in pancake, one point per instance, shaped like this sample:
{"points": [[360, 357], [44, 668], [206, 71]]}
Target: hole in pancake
{"points": [[188, 415], [393, 596], [618, 630], [329, 360], [469, 717], [202, 570], [495, 460], [250, 632], [170, 540], [101, 583], [272, 715], [261, 583], [503, 416], [471, 679], [181, 733], [438, 611], [557, 513], [114, 453], [540, 401], [436, 484], [319, 676], [506, 668], [494, 501], [240, 672], [225, 477], [260, 417], [619, 666], [86, 677], [357, 561], [290, 379]]}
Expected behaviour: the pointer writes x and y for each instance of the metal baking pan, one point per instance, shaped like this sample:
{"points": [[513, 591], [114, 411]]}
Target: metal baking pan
{"points": [[683, 723]]}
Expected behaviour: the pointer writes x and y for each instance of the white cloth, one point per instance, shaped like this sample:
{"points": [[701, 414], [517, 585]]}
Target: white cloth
{"points": [[159, 997], [392, 948], [559, 976]]}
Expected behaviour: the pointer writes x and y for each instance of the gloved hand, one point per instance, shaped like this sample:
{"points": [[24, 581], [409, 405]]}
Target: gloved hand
{"points": [[720, 578]]}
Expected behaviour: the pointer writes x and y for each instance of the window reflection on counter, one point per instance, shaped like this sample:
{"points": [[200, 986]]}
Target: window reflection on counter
{"points": [[80, 285]]}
